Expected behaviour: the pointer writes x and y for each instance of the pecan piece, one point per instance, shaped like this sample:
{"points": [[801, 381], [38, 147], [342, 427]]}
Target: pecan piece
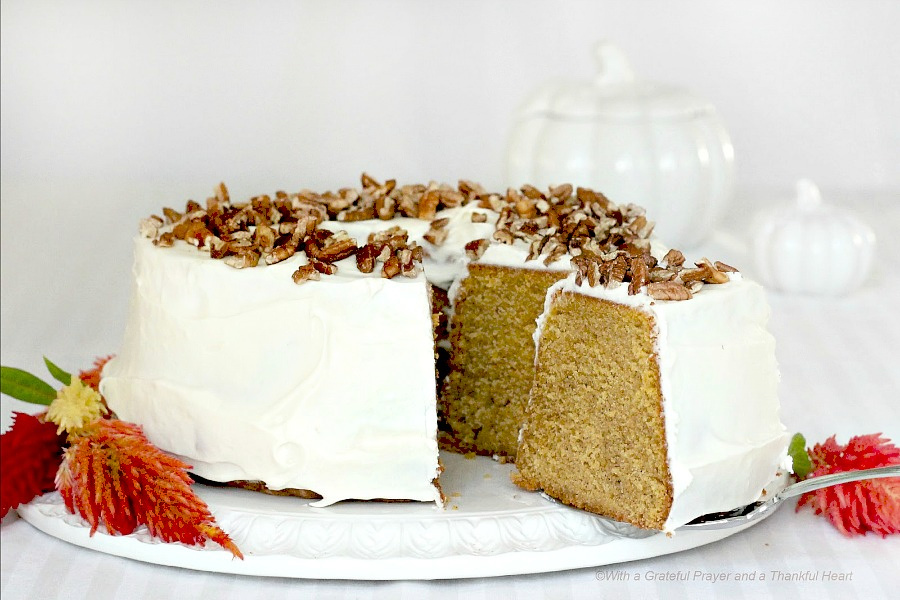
{"points": [[587, 266], [660, 274], [436, 236], [673, 259], [172, 215], [180, 229], [526, 208], [478, 217], [222, 193], [532, 192], [475, 249], [365, 258], [562, 191], [668, 290], [330, 247], [264, 237], [429, 203], [363, 214], [280, 253], [149, 227], [724, 267], [305, 273], [385, 207], [166, 240], [618, 267], [323, 267], [713, 275], [704, 272], [504, 236], [640, 275], [197, 234], [218, 248], [391, 268], [246, 257]]}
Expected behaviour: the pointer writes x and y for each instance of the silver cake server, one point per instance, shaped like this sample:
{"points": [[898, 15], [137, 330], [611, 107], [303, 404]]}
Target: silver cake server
{"points": [[764, 508], [760, 510]]}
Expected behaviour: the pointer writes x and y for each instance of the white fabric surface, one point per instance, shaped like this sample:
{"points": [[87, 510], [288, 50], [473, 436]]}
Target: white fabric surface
{"points": [[838, 359]]}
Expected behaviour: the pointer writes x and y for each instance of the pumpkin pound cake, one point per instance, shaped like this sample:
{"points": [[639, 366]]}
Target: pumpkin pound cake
{"points": [[654, 402]]}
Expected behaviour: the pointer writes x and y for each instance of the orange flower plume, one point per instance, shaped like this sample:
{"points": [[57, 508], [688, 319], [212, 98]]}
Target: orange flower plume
{"points": [[112, 474], [91, 377], [861, 506]]}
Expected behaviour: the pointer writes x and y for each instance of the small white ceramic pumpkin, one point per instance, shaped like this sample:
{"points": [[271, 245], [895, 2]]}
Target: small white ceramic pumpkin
{"points": [[812, 248]]}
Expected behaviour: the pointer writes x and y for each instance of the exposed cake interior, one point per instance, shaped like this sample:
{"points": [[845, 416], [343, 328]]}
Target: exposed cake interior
{"points": [[652, 405], [483, 403], [596, 435]]}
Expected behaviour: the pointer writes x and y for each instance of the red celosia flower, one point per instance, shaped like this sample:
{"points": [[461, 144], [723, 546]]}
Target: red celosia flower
{"points": [[30, 454], [112, 474], [91, 377], [860, 506]]}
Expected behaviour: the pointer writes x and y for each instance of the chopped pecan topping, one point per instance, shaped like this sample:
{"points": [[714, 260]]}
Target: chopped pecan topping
{"points": [[608, 243]]}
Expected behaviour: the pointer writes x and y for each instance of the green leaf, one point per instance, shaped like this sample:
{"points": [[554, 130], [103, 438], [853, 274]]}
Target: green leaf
{"points": [[797, 451], [26, 387], [58, 374]]}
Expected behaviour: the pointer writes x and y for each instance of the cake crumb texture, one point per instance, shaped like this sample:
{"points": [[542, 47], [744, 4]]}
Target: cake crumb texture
{"points": [[595, 437], [492, 364]]}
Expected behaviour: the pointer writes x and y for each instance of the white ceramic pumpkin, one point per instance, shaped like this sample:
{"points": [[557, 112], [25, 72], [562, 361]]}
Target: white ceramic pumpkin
{"points": [[651, 144], [810, 247]]}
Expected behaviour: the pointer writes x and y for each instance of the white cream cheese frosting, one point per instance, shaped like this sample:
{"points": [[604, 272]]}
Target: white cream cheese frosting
{"points": [[326, 386], [719, 380]]}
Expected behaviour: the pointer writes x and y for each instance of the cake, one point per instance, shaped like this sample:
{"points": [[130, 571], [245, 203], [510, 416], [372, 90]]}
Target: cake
{"points": [[653, 402], [288, 344]]}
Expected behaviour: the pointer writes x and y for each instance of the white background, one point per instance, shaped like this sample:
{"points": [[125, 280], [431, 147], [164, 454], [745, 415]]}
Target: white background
{"points": [[111, 110], [263, 94]]}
